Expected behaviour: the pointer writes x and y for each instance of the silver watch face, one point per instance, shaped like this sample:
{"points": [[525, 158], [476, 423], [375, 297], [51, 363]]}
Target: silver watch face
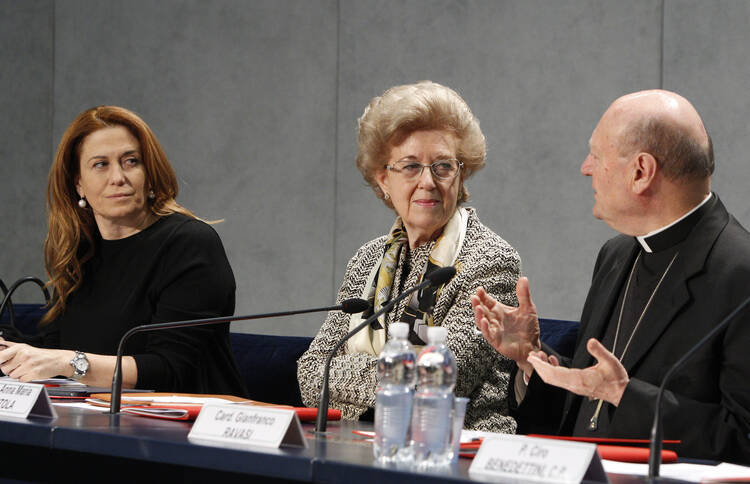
{"points": [[81, 365]]}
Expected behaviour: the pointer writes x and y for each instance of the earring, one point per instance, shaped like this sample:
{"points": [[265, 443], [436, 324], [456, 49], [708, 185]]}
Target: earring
{"points": [[386, 196], [82, 202], [151, 195]]}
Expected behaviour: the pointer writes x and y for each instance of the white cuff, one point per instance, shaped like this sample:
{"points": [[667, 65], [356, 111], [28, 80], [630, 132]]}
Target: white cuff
{"points": [[520, 385]]}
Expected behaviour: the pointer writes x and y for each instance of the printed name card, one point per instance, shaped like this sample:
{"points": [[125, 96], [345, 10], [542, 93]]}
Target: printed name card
{"points": [[25, 399], [521, 458], [247, 426]]}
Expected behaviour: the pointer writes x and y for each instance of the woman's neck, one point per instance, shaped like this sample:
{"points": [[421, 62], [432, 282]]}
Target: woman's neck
{"points": [[115, 229], [421, 238]]}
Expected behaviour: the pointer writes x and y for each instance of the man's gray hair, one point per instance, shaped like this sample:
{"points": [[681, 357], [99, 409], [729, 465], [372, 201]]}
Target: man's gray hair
{"points": [[679, 155]]}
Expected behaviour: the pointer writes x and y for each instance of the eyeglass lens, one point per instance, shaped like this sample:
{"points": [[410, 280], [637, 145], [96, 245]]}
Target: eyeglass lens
{"points": [[443, 169]]}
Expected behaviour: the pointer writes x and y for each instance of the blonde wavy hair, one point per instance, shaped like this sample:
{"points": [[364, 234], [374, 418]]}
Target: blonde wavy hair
{"points": [[72, 232], [401, 110]]}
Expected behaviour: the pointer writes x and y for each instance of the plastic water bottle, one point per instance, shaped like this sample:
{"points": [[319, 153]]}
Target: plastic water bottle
{"points": [[394, 396], [433, 403]]}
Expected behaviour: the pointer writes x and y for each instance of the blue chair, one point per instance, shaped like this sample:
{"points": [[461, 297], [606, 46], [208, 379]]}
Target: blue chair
{"points": [[560, 334], [268, 366], [27, 317], [21, 317]]}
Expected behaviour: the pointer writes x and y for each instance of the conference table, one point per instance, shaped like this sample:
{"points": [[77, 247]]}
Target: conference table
{"points": [[88, 445]]}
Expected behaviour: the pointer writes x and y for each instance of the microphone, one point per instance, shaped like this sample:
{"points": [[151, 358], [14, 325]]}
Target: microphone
{"points": [[435, 278], [654, 457], [350, 306], [441, 276], [353, 306]]}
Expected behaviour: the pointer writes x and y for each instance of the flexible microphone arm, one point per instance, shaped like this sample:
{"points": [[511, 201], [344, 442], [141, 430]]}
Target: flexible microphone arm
{"points": [[654, 456], [9, 292], [348, 306], [11, 311], [435, 278]]}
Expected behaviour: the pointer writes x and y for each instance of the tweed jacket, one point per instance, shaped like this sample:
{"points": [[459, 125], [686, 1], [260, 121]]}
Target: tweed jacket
{"points": [[483, 374]]}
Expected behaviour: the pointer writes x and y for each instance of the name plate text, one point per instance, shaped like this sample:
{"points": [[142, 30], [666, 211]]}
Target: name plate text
{"points": [[24, 399], [247, 426], [517, 457]]}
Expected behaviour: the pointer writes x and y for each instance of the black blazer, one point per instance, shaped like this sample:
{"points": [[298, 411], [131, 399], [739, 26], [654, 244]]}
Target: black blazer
{"points": [[707, 402]]}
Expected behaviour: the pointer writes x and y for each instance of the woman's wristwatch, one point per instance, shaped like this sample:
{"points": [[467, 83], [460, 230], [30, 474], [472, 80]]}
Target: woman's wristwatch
{"points": [[80, 365]]}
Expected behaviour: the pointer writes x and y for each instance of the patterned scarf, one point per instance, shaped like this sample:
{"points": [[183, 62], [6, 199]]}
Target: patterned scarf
{"points": [[379, 286], [388, 266]]}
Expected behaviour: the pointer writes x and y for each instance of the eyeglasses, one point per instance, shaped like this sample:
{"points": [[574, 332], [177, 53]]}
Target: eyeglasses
{"points": [[447, 169]]}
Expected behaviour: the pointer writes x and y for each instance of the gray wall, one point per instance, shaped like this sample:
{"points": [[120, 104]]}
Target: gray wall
{"points": [[256, 103]]}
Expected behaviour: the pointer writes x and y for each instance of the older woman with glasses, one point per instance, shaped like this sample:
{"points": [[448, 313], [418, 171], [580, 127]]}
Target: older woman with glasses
{"points": [[417, 145]]}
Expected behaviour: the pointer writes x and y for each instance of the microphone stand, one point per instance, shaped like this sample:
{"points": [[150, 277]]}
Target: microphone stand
{"points": [[11, 311], [655, 446], [9, 292], [436, 278], [349, 306]]}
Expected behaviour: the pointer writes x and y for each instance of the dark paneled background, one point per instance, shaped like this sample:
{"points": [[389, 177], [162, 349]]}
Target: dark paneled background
{"points": [[256, 104]]}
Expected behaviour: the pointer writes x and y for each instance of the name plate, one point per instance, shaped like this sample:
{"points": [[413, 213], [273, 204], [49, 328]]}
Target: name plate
{"points": [[521, 458], [25, 399], [247, 426]]}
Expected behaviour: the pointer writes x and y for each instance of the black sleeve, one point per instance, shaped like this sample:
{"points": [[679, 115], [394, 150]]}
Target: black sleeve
{"points": [[540, 412], [194, 281], [719, 429], [50, 335]]}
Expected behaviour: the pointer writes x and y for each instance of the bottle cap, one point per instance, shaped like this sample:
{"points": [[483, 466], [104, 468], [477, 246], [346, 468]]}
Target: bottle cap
{"points": [[436, 334], [398, 330]]}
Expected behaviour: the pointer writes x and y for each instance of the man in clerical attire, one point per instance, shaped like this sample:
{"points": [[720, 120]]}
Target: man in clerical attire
{"points": [[680, 266]]}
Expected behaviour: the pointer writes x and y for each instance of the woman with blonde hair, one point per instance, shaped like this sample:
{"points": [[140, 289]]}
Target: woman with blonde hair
{"points": [[417, 145], [120, 252]]}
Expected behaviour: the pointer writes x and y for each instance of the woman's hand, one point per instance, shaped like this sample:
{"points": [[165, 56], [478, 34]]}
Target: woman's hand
{"points": [[513, 332], [26, 363]]}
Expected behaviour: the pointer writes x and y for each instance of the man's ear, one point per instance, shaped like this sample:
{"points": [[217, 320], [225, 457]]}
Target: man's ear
{"points": [[644, 172]]}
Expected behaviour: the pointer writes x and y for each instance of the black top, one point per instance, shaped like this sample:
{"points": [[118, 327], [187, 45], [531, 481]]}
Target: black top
{"points": [[706, 402], [174, 270], [664, 245]]}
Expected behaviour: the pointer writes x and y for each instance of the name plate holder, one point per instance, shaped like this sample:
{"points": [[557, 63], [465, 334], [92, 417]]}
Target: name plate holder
{"points": [[247, 426], [519, 458], [23, 400]]}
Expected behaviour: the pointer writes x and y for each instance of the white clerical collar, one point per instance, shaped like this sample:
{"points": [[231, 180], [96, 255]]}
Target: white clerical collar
{"points": [[642, 238]]}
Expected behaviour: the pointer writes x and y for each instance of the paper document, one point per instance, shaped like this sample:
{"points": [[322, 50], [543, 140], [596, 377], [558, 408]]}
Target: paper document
{"points": [[685, 472]]}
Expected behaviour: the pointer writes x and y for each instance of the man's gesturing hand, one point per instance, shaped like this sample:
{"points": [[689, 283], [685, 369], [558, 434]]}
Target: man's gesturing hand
{"points": [[605, 380], [513, 332]]}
